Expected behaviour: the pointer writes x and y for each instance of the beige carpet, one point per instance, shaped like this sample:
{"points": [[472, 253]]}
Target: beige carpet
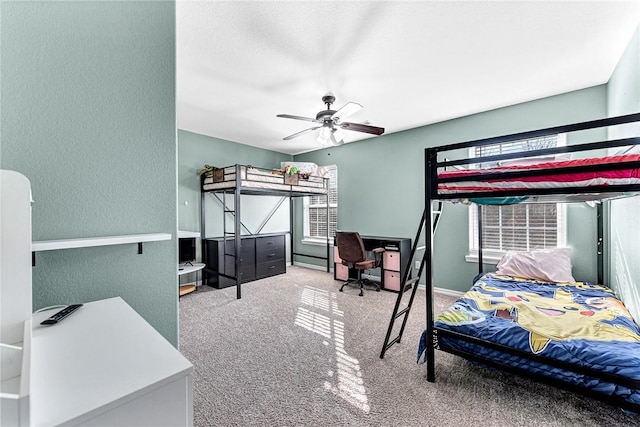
{"points": [[296, 352]]}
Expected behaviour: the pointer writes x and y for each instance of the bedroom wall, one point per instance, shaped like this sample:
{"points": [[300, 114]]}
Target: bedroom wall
{"points": [[624, 261], [381, 189], [88, 115], [194, 151]]}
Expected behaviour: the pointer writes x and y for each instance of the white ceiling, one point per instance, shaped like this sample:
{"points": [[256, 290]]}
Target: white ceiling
{"points": [[409, 63]]}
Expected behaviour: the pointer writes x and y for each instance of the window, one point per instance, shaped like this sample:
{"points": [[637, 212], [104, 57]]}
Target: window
{"points": [[517, 227], [315, 211]]}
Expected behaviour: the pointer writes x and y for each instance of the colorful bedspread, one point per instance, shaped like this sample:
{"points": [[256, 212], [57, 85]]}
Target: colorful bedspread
{"points": [[580, 323]]}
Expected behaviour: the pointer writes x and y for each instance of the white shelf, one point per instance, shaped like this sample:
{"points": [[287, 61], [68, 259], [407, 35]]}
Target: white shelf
{"points": [[185, 234], [186, 269], [87, 242]]}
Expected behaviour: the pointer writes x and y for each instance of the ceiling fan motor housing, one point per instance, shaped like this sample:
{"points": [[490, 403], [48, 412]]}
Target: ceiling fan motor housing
{"points": [[325, 115]]}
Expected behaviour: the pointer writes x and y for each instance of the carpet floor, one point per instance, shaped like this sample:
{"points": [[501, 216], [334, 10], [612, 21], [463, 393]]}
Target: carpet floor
{"points": [[296, 352]]}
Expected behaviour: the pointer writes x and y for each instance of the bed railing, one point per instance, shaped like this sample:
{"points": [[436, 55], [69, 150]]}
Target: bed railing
{"points": [[434, 166]]}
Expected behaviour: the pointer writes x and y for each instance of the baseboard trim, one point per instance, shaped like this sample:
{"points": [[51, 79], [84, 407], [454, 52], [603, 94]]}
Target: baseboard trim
{"points": [[436, 289], [311, 266]]}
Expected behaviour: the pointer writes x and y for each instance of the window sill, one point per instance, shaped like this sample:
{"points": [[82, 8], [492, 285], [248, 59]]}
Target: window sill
{"points": [[486, 259], [316, 242]]}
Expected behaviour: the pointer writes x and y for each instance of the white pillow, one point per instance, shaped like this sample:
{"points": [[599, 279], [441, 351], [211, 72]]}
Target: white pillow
{"points": [[550, 265]]}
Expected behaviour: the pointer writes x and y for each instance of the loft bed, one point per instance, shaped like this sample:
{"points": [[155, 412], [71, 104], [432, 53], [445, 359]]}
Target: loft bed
{"points": [[294, 179], [574, 335]]}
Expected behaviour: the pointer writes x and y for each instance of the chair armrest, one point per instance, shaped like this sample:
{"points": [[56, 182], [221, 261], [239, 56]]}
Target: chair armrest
{"points": [[378, 250]]}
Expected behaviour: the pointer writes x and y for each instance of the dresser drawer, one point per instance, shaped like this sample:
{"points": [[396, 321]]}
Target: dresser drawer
{"points": [[336, 255], [392, 280], [269, 248], [269, 244], [247, 248], [391, 260], [270, 268], [342, 272], [269, 256]]}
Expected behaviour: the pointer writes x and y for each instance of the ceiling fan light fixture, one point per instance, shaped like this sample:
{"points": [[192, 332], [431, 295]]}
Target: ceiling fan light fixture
{"points": [[328, 136], [324, 134]]}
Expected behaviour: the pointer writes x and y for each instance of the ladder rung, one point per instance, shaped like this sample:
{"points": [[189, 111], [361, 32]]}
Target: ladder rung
{"points": [[403, 311], [395, 340], [412, 281]]}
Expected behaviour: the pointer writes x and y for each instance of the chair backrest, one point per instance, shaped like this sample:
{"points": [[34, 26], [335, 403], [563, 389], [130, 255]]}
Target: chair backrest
{"points": [[350, 246]]}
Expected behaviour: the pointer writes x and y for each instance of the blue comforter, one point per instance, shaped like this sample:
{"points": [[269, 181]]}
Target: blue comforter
{"points": [[580, 323]]}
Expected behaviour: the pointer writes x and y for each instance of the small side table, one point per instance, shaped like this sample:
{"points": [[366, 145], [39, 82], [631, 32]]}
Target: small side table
{"points": [[186, 269]]}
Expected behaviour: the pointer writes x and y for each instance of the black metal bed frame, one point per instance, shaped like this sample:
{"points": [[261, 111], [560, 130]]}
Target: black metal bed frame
{"points": [[432, 166], [239, 190]]}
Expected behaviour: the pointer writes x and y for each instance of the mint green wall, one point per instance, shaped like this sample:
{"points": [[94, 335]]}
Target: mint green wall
{"points": [[194, 151], [88, 115], [381, 187], [624, 98]]}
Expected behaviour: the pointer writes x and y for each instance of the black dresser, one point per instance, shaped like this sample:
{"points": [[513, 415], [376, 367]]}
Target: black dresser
{"points": [[261, 255]]}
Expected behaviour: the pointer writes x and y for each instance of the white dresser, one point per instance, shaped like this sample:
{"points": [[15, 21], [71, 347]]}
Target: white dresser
{"points": [[105, 365]]}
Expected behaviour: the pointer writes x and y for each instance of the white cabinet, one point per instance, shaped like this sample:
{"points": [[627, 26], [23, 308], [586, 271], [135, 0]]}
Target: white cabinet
{"points": [[15, 298], [105, 365]]}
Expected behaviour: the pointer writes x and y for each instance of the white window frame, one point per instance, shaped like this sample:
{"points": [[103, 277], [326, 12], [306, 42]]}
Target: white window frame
{"points": [[320, 240], [491, 256]]}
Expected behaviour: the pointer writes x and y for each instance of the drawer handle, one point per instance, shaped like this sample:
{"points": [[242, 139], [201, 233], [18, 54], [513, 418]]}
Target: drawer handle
{"points": [[272, 255], [272, 267]]}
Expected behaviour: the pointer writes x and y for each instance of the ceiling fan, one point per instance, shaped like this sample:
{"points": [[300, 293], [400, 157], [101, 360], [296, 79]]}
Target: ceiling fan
{"points": [[330, 121]]}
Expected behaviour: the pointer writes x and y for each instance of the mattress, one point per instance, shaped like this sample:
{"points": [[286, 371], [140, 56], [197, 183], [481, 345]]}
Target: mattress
{"points": [[581, 323], [607, 176], [254, 178]]}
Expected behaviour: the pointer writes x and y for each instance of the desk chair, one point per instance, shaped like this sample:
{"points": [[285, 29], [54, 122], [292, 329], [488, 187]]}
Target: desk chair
{"points": [[351, 251]]}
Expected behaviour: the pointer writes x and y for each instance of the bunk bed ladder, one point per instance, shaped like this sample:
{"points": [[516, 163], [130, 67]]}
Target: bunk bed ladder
{"points": [[231, 239], [409, 283]]}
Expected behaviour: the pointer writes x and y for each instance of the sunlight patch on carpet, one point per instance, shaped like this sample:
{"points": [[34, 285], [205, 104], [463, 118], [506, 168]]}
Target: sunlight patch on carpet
{"points": [[346, 379]]}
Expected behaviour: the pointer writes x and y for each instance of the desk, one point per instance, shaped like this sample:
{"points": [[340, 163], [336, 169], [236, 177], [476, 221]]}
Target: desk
{"points": [[186, 269], [395, 260]]}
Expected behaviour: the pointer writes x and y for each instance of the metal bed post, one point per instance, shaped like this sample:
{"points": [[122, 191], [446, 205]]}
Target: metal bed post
{"points": [[291, 228], [480, 260], [203, 234], [328, 234], [236, 230], [430, 180], [600, 243]]}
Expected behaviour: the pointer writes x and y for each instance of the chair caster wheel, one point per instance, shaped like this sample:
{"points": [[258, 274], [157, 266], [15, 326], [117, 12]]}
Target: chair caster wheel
{"points": [[341, 290], [377, 290]]}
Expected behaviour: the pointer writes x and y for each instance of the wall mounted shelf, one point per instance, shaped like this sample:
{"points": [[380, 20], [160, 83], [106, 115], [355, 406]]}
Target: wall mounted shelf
{"points": [[86, 242], [89, 242]]}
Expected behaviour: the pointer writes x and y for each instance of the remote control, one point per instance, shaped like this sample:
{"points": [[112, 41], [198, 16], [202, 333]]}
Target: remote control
{"points": [[61, 314]]}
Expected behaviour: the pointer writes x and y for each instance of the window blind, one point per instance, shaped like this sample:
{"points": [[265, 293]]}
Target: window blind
{"points": [[316, 209], [522, 226]]}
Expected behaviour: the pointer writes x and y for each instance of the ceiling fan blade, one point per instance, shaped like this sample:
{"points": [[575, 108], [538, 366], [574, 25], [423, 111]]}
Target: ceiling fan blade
{"points": [[302, 132], [359, 127], [347, 109], [289, 116]]}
